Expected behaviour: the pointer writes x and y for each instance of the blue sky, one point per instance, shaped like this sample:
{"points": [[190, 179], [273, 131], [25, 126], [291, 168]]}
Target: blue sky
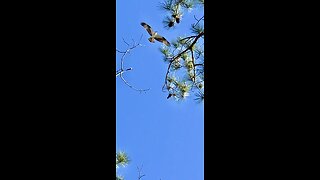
{"points": [[165, 136]]}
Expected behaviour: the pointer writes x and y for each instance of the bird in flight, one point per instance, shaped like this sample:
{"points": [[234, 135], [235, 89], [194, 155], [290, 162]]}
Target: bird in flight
{"points": [[154, 35]]}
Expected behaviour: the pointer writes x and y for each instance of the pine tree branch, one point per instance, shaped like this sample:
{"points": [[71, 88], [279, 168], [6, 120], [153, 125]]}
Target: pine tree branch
{"points": [[189, 37], [189, 47], [179, 55], [194, 68], [199, 65]]}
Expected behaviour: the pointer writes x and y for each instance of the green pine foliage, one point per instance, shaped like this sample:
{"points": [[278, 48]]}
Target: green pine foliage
{"points": [[185, 58], [122, 160]]}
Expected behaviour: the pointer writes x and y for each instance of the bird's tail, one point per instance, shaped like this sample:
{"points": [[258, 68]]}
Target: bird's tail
{"points": [[151, 39]]}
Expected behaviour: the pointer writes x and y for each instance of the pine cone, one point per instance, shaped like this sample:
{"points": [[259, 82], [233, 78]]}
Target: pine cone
{"points": [[171, 23]]}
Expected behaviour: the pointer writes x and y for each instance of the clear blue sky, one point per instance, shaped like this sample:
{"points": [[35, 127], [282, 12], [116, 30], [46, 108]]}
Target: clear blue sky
{"points": [[165, 136]]}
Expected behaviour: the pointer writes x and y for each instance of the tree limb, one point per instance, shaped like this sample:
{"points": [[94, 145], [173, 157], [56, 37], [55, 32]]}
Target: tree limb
{"points": [[122, 69], [179, 55]]}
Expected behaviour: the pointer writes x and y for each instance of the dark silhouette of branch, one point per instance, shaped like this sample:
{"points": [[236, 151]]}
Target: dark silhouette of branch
{"points": [[189, 37], [172, 59], [185, 71], [122, 70], [198, 20], [139, 171]]}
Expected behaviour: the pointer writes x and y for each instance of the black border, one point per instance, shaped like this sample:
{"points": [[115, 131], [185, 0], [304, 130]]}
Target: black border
{"points": [[257, 90], [61, 90]]}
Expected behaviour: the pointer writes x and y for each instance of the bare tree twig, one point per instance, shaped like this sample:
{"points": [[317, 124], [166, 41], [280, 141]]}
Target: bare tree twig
{"points": [[198, 20], [189, 37], [139, 171], [125, 41], [122, 69], [140, 90]]}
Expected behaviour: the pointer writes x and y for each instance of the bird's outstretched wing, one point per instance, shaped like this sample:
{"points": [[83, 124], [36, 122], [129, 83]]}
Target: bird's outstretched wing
{"points": [[162, 39], [148, 28], [154, 35]]}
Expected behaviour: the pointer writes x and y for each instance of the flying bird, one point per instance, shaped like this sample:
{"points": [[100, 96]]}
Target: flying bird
{"points": [[154, 35]]}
